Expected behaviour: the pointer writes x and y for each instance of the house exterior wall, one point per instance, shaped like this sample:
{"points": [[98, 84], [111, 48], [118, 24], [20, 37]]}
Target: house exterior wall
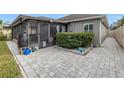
{"points": [[78, 27], [103, 32], [47, 30]]}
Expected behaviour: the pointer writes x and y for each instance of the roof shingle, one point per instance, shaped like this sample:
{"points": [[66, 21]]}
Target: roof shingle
{"points": [[78, 16]]}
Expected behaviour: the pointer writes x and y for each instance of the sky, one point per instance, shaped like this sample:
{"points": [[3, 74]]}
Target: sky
{"points": [[10, 17]]}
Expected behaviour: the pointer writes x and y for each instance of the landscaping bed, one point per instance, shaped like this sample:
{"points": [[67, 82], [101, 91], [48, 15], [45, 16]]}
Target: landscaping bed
{"points": [[8, 66], [76, 51], [72, 40], [76, 42]]}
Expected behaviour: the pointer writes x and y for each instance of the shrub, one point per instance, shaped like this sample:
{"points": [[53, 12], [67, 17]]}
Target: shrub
{"points": [[73, 40], [4, 37]]}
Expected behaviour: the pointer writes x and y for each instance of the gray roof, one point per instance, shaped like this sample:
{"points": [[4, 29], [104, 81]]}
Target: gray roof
{"points": [[45, 18], [42, 18], [77, 16], [66, 19], [81, 17]]}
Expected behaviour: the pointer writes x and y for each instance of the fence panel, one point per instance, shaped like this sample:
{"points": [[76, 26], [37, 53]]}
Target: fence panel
{"points": [[110, 33], [119, 35]]}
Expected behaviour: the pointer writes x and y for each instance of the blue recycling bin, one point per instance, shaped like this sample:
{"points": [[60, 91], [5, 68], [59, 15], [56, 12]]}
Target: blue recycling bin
{"points": [[81, 49], [26, 51]]}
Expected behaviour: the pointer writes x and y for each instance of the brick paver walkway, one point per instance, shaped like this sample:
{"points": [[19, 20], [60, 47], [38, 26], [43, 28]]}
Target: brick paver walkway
{"points": [[104, 62]]}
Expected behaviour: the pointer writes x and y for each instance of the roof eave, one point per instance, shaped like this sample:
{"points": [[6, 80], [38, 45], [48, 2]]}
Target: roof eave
{"points": [[34, 18], [105, 22], [82, 19]]}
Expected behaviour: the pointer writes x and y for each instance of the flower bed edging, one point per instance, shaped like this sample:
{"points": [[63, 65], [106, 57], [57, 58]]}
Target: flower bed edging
{"points": [[74, 51]]}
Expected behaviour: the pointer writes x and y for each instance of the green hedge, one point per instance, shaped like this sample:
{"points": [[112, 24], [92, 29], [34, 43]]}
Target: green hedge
{"points": [[73, 40]]}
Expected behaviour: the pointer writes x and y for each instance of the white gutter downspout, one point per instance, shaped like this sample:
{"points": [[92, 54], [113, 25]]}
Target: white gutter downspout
{"points": [[123, 36], [100, 33], [73, 26]]}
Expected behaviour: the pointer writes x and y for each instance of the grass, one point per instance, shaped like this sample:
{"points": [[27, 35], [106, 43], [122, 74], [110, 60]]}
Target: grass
{"points": [[8, 66]]}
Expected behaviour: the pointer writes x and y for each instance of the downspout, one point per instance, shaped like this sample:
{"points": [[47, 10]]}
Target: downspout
{"points": [[123, 36], [12, 33], [73, 27], [49, 34], [100, 33]]}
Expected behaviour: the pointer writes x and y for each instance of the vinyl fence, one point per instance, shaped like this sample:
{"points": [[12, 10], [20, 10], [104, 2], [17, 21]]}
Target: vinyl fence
{"points": [[119, 35]]}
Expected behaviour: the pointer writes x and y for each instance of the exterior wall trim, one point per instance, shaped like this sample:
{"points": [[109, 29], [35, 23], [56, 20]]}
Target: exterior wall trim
{"points": [[73, 27], [48, 32], [38, 34]]}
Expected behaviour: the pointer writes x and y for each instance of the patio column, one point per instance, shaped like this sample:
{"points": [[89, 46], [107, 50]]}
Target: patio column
{"points": [[38, 33], [49, 33], [12, 33]]}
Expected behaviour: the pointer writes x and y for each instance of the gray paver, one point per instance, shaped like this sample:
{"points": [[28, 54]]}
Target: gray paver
{"points": [[106, 62]]}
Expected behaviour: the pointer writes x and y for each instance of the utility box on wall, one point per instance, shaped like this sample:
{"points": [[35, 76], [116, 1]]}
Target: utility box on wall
{"points": [[44, 43]]}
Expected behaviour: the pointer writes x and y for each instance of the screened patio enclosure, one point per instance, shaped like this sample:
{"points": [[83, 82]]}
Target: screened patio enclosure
{"points": [[39, 33]]}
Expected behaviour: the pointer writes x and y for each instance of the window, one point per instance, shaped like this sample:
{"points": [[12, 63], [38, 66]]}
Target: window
{"points": [[33, 30], [88, 27], [61, 28]]}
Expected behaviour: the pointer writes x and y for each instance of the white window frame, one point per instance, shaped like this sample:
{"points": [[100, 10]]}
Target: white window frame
{"points": [[88, 27], [63, 28], [57, 28]]}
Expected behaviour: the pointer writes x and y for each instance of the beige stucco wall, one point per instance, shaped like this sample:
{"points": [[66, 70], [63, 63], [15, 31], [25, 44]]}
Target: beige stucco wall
{"points": [[78, 27], [119, 35]]}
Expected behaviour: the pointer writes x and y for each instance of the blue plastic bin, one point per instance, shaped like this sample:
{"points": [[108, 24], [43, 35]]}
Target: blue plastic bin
{"points": [[26, 51], [81, 49]]}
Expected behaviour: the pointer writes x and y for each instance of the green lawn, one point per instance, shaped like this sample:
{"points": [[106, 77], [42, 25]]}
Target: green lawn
{"points": [[8, 66]]}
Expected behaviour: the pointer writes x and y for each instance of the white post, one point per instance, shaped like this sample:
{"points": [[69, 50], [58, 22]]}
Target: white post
{"points": [[57, 27], [49, 33], [38, 34], [123, 36], [100, 33], [73, 27], [28, 26]]}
